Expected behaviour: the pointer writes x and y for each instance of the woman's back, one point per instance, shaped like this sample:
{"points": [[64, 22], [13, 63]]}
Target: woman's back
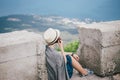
{"points": [[55, 65]]}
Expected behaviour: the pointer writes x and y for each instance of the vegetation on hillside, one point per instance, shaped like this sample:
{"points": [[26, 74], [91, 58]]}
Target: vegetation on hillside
{"points": [[71, 47]]}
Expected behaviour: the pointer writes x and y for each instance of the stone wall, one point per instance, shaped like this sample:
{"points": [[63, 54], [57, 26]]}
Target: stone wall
{"points": [[22, 56], [100, 47]]}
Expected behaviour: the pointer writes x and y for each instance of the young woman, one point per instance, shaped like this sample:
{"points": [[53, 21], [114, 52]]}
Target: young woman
{"points": [[60, 65]]}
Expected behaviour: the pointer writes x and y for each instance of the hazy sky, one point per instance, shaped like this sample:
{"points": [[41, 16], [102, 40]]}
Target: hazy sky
{"points": [[94, 9]]}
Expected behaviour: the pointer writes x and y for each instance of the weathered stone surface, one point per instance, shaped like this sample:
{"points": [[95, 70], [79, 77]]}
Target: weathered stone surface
{"points": [[110, 60], [17, 51], [19, 69], [107, 32], [42, 70], [22, 56], [17, 37], [100, 47]]}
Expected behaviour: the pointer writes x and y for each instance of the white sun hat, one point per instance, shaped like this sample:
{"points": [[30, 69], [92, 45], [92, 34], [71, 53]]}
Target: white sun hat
{"points": [[51, 35]]}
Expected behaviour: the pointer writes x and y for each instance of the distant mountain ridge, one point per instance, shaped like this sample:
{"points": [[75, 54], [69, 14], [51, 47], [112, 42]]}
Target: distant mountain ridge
{"points": [[39, 23], [35, 22]]}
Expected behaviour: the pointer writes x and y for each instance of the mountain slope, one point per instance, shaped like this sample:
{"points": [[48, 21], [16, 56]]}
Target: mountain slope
{"points": [[35, 22], [39, 23]]}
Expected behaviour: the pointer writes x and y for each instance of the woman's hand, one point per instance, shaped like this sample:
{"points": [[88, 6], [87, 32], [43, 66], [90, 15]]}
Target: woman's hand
{"points": [[60, 43], [76, 57]]}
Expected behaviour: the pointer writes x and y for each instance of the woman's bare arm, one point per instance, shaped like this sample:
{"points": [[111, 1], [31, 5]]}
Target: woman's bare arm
{"points": [[60, 43]]}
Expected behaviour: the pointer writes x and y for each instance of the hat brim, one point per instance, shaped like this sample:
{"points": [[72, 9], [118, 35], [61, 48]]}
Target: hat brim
{"points": [[57, 36]]}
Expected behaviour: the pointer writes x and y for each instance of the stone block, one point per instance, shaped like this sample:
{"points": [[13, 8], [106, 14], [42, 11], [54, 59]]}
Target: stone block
{"points": [[100, 47], [19, 69], [21, 52]]}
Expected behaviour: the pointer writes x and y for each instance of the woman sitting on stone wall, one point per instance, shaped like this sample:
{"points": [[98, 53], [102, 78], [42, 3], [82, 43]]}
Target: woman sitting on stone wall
{"points": [[60, 66]]}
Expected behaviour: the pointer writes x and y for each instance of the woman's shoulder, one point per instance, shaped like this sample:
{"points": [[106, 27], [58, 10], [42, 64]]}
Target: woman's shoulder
{"points": [[52, 50]]}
